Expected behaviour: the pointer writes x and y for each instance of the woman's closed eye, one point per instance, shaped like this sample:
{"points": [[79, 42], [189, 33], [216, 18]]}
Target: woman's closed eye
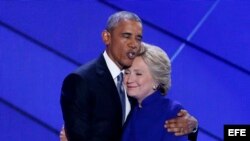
{"points": [[138, 74], [126, 72]]}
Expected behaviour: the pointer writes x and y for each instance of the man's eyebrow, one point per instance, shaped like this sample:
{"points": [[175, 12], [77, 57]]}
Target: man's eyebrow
{"points": [[130, 34], [126, 33]]}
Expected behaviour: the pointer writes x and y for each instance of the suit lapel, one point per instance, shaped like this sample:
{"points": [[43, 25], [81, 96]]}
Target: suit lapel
{"points": [[105, 78]]}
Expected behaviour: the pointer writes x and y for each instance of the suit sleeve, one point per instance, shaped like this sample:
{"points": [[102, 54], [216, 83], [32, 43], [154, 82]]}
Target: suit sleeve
{"points": [[76, 108], [193, 136]]}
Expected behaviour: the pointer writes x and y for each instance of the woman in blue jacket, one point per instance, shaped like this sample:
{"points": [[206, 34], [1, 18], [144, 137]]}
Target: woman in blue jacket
{"points": [[148, 80]]}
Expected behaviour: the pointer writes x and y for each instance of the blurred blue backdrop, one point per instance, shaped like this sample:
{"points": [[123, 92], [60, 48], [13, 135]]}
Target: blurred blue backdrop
{"points": [[42, 41]]}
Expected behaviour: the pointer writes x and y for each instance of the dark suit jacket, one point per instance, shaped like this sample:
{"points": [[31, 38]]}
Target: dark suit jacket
{"points": [[90, 104]]}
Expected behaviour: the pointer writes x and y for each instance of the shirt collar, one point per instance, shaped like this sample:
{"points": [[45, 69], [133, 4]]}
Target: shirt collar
{"points": [[113, 68]]}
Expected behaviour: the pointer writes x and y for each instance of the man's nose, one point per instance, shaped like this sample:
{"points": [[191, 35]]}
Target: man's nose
{"points": [[133, 44]]}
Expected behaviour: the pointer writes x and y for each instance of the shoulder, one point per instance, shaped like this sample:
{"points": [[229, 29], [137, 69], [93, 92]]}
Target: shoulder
{"points": [[171, 107], [76, 83], [79, 75], [89, 68], [86, 68]]}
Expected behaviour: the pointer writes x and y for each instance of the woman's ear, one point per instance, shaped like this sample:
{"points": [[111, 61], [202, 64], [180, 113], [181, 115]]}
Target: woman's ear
{"points": [[106, 37], [155, 86]]}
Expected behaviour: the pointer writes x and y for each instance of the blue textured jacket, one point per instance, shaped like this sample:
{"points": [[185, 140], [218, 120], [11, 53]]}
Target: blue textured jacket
{"points": [[146, 123]]}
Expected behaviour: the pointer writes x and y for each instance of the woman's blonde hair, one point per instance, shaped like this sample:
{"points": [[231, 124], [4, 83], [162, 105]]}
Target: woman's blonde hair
{"points": [[159, 65]]}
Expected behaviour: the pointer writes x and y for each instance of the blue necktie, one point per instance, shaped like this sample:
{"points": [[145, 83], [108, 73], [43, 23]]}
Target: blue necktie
{"points": [[121, 92]]}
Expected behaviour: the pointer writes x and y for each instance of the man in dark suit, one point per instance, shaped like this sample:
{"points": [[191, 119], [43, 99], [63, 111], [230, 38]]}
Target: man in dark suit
{"points": [[90, 102]]}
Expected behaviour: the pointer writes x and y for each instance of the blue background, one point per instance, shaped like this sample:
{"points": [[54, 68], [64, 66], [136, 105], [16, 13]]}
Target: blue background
{"points": [[42, 41]]}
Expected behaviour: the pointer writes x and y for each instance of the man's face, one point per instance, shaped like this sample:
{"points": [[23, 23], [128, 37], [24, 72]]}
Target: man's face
{"points": [[123, 42]]}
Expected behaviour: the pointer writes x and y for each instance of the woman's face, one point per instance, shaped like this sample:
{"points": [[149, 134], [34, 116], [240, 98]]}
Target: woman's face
{"points": [[138, 80]]}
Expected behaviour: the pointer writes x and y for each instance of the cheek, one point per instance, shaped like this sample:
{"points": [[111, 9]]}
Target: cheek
{"points": [[146, 86], [125, 80], [120, 50], [142, 87]]}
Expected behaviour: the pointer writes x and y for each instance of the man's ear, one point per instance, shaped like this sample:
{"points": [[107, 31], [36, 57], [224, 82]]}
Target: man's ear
{"points": [[106, 37]]}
